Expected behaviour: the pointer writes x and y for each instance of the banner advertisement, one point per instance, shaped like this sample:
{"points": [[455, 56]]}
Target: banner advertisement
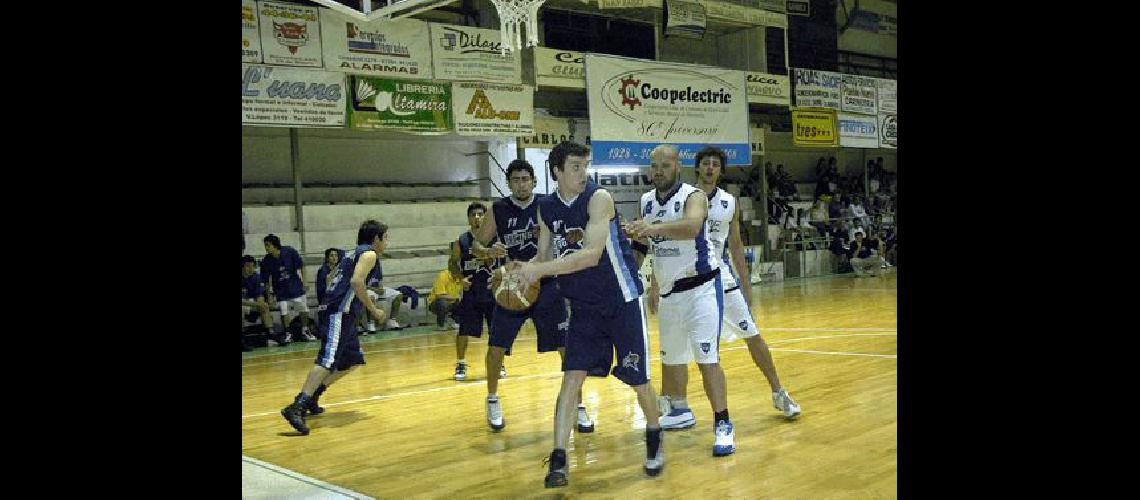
{"points": [[396, 49], [799, 8], [817, 89], [769, 89], [492, 108], [814, 127], [888, 91], [559, 68], [250, 36], [635, 104], [858, 131], [291, 97], [772, 5], [737, 14], [888, 131], [758, 141], [290, 34], [859, 94], [684, 19], [380, 103], [466, 53], [628, 4], [549, 131]]}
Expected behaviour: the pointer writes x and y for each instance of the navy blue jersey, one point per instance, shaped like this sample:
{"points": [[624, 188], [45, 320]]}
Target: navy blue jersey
{"points": [[517, 227], [478, 270], [615, 278], [251, 287], [282, 273], [339, 294]]}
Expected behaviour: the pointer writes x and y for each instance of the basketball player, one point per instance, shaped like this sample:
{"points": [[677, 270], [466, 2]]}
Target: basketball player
{"points": [[687, 275], [580, 241], [724, 223], [477, 302], [340, 348], [284, 271], [515, 224]]}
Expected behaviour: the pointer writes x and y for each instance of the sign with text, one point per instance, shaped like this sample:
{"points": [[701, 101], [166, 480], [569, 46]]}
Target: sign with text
{"points": [[772, 5], [817, 89], [290, 34], [858, 131], [735, 13], [396, 49], [493, 108], [769, 89], [888, 131], [549, 131], [684, 19], [628, 4], [859, 94], [635, 104], [888, 95], [799, 7], [291, 97], [466, 53], [758, 141], [814, 127], [559, 68], [381, 103], [250, 36]]}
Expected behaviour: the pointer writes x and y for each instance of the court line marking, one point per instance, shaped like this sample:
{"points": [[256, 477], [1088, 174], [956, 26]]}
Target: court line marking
{"points": [[305, 479], [527, 339], [549, 374]]}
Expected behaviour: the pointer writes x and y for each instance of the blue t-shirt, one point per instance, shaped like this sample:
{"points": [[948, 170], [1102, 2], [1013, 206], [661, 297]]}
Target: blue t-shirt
{"points": [[282, 273], [615, 277], [517, 227], [251, 287], [339, 294]]}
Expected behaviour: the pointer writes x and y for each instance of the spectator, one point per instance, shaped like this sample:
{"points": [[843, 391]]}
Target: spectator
{"points": [[858, 212], [837, 233], [784, 184], [820, 168], [835, 207], [388, 299], [333, 257], [876, 243], [445, 293], [819, 216], [865, 260]]}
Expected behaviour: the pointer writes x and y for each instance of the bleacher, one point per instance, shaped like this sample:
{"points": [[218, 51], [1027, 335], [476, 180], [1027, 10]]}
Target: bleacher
{"points": [[421, 227]]}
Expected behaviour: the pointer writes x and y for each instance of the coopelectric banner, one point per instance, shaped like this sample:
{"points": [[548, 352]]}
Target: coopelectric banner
{"points": [[636, 105]]}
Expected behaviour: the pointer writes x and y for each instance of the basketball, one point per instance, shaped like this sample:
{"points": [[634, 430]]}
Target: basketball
{"points": [[508, 294]]}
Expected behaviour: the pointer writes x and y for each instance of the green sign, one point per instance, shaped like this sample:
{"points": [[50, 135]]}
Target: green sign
{"points": [[380, 103]]}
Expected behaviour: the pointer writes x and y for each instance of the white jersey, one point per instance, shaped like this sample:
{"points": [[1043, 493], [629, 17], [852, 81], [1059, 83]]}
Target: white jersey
{"points": [[722, 208], [676, 259]]}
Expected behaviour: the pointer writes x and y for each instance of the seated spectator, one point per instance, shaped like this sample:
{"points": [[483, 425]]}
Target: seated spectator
{"points": [[284, 271], [254, 306], [891, 246], [835, 207], [332, 258], [875, 243], [387, 298], [837, 234], [864, 260], [858, 212], [445, 293], [820, 168], [784, 184], [819, 216]]}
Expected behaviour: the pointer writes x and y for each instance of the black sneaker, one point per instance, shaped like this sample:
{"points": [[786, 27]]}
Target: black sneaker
{"points": [[558, 470], [311, 408], [655, 463], [295, 415]]}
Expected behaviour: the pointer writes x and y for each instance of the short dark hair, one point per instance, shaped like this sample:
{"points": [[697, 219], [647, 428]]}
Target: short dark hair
{"points": [[557, 158], [711, 151], [369, 231], [247, 258], [272, 238], [517, 165], [332, 250], [475, 205]]}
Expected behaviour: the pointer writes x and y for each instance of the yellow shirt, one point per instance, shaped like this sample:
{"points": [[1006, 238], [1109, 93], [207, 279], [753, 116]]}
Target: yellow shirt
{"points": [[445, 284]]}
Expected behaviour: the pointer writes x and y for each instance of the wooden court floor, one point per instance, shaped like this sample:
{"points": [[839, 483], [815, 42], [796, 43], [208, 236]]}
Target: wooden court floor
{"points": [[400, 426]]}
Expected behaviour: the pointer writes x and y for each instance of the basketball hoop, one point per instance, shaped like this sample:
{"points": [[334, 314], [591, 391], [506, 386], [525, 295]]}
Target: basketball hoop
{"points": [[512, 13]]}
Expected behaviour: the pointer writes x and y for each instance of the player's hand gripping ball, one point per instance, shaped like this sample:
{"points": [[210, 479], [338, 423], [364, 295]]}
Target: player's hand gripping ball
{"points": [[508, 292]]}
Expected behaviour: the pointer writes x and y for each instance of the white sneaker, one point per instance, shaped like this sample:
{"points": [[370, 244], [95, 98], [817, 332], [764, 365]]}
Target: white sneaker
{"points": [[678, 418], [584, 422], [495, 414], [725, 442], [460, 371], [371, 326], [502, 371], [308, 336], [784, 402], [393, 325]]}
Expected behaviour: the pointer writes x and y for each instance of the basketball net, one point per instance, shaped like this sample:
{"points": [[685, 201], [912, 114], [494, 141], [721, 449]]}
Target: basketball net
{"points": [[512, 13]]}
